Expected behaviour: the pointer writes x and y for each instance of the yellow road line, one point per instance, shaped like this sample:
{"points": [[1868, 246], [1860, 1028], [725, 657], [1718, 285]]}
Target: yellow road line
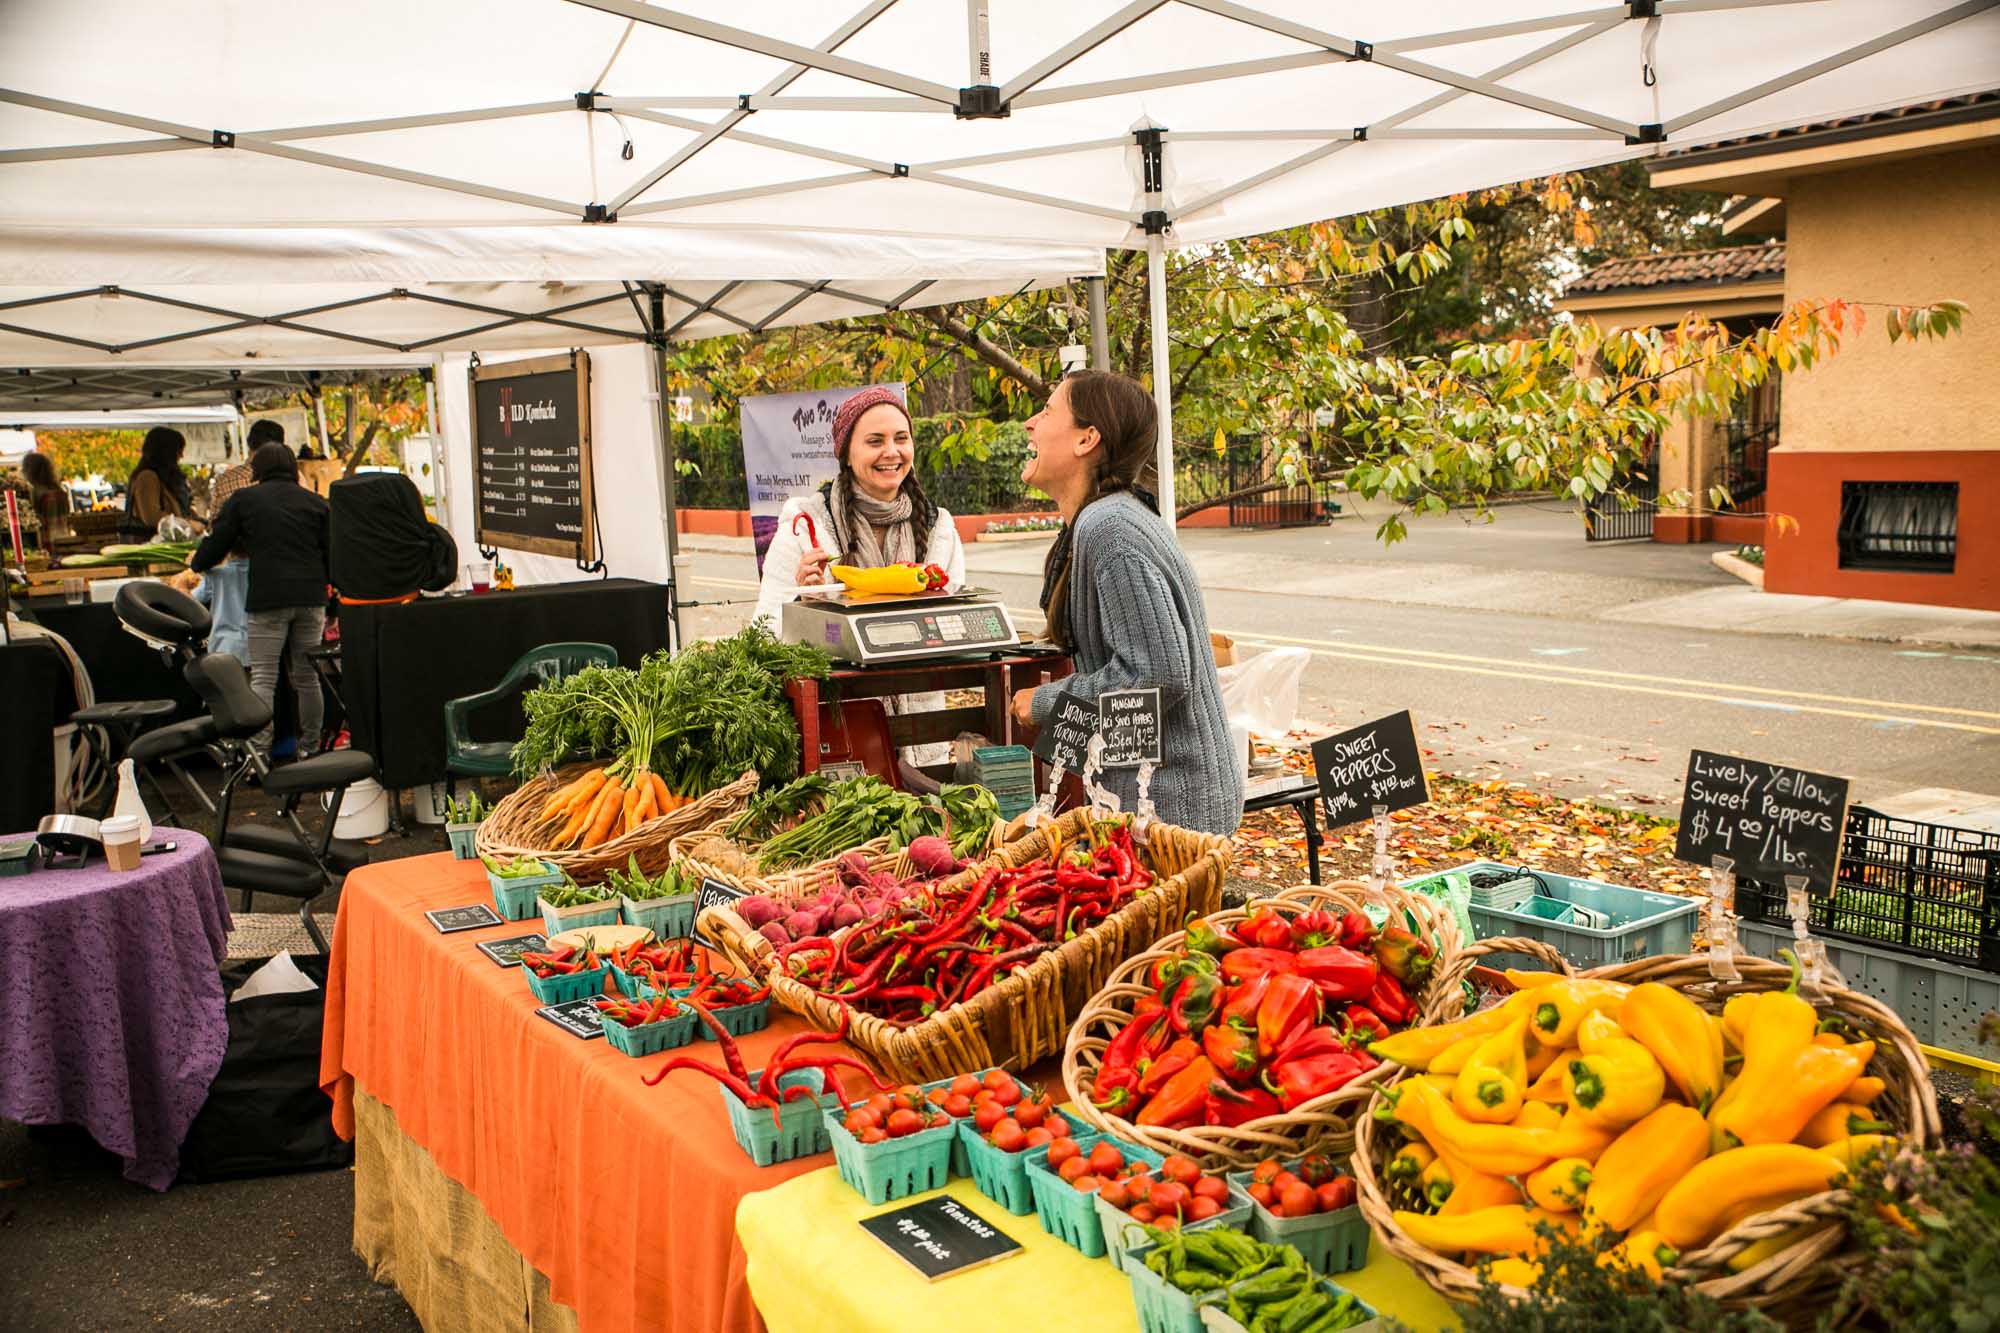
{"points": [[1622, 681]]}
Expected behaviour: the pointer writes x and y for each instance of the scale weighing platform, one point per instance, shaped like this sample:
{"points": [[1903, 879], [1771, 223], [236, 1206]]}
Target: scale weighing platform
{"points": [[865, 630]]}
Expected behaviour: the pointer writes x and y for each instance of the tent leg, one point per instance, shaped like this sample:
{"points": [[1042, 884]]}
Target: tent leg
{"points": [[1100, 324], [663, 428], [1163, 384], [441, 480]]}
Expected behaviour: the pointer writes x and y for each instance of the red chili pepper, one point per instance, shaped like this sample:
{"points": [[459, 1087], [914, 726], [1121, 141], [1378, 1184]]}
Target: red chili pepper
{"points": [[1312, 929], [741, 1087], [730, 1051], [812, 533], [1242, 964], [1290, 1003], [1232, 1051], [1228, 1106], [1265, 929], [1340, 973], [774, 1068], [1180, 1101]]}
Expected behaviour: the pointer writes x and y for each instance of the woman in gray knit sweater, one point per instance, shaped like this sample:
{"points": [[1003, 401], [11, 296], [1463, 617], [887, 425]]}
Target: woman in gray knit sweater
{"points": [[1122, 598]]}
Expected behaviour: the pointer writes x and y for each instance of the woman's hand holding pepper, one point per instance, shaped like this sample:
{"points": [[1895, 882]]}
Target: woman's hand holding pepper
{"points": [[812, 567]]}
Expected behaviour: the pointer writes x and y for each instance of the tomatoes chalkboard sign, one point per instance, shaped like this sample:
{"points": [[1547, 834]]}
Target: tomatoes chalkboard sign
{"points": [[1767, 820], [940, 1236]]}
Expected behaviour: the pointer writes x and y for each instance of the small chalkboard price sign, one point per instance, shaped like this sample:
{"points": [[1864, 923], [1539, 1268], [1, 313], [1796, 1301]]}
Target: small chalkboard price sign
{"points": [[940, 1236], [713, 893], [507, 952], [1065, 738], [1767, 820], [1375, 766], [451, 920], [1129, 721], [579, 1018]]}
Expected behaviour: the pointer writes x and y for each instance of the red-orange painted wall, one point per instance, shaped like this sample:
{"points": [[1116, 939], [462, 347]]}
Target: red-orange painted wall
{"points": [[736, 522], [1683, 529], [1806, 487]]}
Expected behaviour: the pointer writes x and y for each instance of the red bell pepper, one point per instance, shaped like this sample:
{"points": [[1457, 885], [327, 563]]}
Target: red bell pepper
{"points": [[1230, 1106], [1290, 1003], [1194, 1003], [1388, 998], [1341, 974], [1364, 1024], [1239, 1005], [1181, 1100], [1265, 929], [1356, 931], [1312, 929], [1299, 1081], [1202, 937], [1307, 1042], [1119, 1071], [1242, 964], [1404, 956], [1155, 1073], [1232, 1051]]}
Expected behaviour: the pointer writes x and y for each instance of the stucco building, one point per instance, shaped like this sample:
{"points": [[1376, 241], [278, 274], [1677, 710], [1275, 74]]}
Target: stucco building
{"points": [[1886, 455]]}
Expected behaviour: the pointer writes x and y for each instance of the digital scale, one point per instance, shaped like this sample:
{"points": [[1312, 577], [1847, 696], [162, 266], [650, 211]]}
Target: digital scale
{"points": [[865, 630]]}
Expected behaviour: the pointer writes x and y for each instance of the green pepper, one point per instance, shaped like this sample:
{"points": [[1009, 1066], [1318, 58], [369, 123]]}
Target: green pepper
{"points": [[1264, 1289]]}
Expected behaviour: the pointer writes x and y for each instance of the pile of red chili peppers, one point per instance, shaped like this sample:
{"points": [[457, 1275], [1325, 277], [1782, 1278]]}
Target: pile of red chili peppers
{"points": [[949, 943], [1260, 1019], [769, 1090]]}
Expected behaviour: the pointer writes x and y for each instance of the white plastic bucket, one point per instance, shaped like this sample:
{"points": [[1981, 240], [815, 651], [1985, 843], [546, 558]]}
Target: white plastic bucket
{"points": [[364, 811], [432, 802]]}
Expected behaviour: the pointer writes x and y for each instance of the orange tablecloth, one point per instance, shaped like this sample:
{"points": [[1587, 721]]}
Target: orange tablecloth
{"points": [[623, 1195]]}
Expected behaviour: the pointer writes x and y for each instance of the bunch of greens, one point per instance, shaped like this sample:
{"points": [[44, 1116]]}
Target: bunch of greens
{"points": [[569, 893], [699, 718], [972, 809], [1581, 1290], [864, 808], [776, 808], [634, 883]]}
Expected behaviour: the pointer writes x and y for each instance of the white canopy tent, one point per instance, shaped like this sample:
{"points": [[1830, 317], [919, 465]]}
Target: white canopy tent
{"points": [[1100, 122]]}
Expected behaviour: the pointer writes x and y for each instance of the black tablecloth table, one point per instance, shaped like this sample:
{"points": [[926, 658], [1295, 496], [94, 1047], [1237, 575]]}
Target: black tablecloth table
{"points": [[400, 663], [35, 698]]}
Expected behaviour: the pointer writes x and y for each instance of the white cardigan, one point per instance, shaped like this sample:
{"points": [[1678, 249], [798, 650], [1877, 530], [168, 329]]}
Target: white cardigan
{"points": [[781, 569], [781, 562]]}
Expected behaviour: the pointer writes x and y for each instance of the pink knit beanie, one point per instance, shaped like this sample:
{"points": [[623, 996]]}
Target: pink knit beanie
{"points": [[850, 413]]}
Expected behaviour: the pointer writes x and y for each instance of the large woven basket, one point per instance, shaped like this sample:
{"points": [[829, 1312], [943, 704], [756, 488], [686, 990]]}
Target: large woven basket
{"points": [[1322, 1124], [1026, 1015], [1790, 1286], [516, 828]]}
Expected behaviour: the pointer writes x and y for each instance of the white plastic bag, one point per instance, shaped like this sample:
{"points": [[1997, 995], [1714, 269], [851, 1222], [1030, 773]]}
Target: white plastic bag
{"points": [[1262, 692]]}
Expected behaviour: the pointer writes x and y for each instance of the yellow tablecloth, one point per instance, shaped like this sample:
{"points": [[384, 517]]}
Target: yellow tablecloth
{"points": [[812, 1269]]}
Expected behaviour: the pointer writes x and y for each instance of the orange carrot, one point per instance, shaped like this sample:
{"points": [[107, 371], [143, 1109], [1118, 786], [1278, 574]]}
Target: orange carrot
{"points": [[642, 809], [603, 814], [573, 830], [661, 796], [631, 805], [579, 794]]}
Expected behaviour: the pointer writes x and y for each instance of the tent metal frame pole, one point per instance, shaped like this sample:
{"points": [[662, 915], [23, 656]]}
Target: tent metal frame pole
{"points": [[1941, 19], [1100, 324], [1121, 142], [768, 102], [978, 43], [663, 441], [806, 295], [704, 307], [440, 456], [1163, 384], [747, 192], [723, 34], [1077, 47], [1139, 83]]}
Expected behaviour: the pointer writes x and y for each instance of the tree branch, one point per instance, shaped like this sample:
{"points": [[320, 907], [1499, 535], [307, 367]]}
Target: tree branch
{"points": [[360, 450], [987, 350]]}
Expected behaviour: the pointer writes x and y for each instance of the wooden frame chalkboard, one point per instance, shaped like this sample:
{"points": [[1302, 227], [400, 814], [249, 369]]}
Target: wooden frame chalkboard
{"points": [[531, 444]]}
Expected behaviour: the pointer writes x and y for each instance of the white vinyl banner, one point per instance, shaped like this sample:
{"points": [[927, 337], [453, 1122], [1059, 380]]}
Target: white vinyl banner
{"points": [[788, 451]]}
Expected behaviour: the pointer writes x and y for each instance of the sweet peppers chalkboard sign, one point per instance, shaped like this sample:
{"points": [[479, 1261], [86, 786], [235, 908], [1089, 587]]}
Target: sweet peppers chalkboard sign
{"points": [[1129, 721], [1375, 764], [531, 447], [1770, 821]]}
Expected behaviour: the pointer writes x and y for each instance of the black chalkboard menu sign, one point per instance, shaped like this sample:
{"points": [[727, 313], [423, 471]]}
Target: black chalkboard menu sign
{"points": [[450, 920], [580, 1018], [1377, 763], [1131, 726], [1768, 820], [1065, 738], [940, 1236], [531, 447], [713, 893]]}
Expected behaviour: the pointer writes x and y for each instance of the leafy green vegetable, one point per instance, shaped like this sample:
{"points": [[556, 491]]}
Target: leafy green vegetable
{"points": [[634, 883], [152, 553], [775, 808], [864, 808], [519, 868], [468, 811], [571, 894]]}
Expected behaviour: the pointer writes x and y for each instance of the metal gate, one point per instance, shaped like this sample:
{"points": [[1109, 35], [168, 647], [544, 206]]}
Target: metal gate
{"points": [[1296, 506], [1606, 519]]}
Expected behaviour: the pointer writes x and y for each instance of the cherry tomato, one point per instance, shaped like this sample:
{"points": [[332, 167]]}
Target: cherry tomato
{"points": [[1063, 1150], [1202, 1208], [1008, 1136], [1167, 1222], [1140, 1187], [1037, 1136], [1085, 1184], [965, 1085], [1261, 1192], [958, 1106], [988, 1114], [1007, 1096], [1181, 1169], [1212, 1187], [1030, 1114], [1170, 1197], [1267, 1171], [1297, 1200], [1144, 1212], [873, 1134], [1336, 1194], [859, 1119], [996, 1079], [937, 1096], [1058, 1126], [1105, 1158], [903, 1121], [881, 1104], [1316, 1169], [1113, 1192], [1073, 1168]]}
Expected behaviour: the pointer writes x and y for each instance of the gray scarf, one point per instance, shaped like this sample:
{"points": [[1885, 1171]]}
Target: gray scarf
{"points": [[857, 515]]}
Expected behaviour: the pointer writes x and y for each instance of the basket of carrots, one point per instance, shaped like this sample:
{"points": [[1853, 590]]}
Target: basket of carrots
{"points": [[1683, 1124], [589, 820]]}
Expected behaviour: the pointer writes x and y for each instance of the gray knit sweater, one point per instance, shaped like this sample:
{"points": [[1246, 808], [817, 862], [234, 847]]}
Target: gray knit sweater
{"points": [[1137, 617]]}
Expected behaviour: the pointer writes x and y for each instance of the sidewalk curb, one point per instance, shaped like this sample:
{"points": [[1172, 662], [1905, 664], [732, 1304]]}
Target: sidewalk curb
{"points": [[1731, 563]]}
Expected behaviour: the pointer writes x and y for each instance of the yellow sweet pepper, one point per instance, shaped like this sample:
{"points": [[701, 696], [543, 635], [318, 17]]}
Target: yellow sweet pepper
{"points": [[1643, 1251], [1736, 1017], [1852, 1152], [1417, 1047], [1511, 1272], [882, 579], [1458, 1055], [1548, 1085], [1575, 1136], [1560, 1186], [1865, 1090], [1643, 1163], [1540, 1057], [1841, 1120], [1500, 1150], [1522, 980], [1560, 1007], [1615, 1081], [1438, 1183], [1503, 1229], [1406, 1167], [1680, 1036], [1474, 1190], [1786, 1081], [1758, 1251], [1701, 1205], [1489, 1088], [1537, 1115]]}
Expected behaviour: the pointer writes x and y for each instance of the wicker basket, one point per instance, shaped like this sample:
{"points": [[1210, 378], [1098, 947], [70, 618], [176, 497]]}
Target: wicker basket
{"points": [[1026, 1015], [749, 950], [1323, 1124], [516, 828], [1791, 1285]]}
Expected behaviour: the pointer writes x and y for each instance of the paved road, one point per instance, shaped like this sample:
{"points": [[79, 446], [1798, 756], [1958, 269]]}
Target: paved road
{"points": [[1526, 654]]}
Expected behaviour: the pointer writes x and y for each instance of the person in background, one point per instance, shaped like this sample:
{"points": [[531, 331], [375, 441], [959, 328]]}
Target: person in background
{"points": [[225, 591], [233, 479], [1122, 599], [873, 513], [157, 487], [281, 526], [47, 496]]}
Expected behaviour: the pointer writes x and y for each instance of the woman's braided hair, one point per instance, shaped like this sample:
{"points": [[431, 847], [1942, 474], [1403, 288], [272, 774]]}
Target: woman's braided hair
{"points": [[1127, 425]]}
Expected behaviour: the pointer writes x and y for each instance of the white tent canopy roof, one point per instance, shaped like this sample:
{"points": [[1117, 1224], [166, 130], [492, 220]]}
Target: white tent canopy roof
{"points": [[749, 114], [119, 419], [401, 295]]}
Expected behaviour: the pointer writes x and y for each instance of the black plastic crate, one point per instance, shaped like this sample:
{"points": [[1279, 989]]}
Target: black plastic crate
{"points": [[1926, 889]]}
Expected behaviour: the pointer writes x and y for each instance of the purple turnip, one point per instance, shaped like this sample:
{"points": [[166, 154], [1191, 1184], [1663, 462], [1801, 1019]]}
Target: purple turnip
{"points": [[848, 914], [757, 910], [931, 856], [774, 932], [802, 924]]}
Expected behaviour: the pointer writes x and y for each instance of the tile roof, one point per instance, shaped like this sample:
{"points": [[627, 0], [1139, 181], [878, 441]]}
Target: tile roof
{"points": [[1965, 106], [1687, 268]]}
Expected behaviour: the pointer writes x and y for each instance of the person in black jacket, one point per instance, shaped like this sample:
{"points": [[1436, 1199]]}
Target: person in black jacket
{"points": [[281, 527]]}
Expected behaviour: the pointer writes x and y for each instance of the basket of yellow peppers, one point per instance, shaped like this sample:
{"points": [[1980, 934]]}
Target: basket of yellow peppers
{"points": [[1679, 1124]]}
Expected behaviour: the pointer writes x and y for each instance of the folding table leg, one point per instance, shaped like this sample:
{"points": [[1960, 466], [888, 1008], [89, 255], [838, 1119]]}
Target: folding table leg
{"points": [[1309, 815]]}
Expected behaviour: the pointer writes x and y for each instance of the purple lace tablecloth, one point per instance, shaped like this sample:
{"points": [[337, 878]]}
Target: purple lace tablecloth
{"points": [[111, 1005]]}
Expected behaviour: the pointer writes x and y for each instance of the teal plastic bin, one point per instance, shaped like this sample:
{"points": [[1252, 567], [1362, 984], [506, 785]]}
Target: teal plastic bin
{"points": [[1122, 1234], [804, 1127], [563, 988], [1163, 1307], [1331, 1242], [650, 1038], [668, 918], [1003, 1176], [516, 899], [961, 1159], [737, 1019], [1590, 923], [462, 838], [896, 1168], [1215, 1318], [1066, 1212]]}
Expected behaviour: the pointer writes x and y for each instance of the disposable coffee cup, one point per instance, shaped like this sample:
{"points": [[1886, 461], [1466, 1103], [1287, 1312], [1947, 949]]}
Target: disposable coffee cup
{"points": [[120, 835]]}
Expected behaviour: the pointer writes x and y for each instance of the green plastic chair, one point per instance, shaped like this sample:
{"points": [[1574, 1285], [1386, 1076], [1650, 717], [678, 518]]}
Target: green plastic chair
{"points": [[551, 661]]}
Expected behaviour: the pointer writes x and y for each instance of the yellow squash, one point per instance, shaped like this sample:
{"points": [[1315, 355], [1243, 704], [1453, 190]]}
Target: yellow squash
{"points": [[1685, 1041], [1703, 1203], [1642, 1164]]}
